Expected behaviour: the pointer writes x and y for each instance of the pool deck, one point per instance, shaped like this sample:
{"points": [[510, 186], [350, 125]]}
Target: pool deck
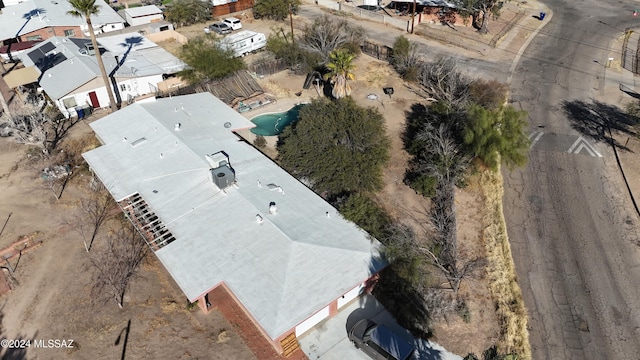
{"points": [[281, 105]]}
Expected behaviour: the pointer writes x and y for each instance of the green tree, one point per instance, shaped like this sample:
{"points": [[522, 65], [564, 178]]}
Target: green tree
{"points": [[480, 10], [340, 72], [207, 60], [188, 12], [368, 215], [282, 47], [84, 9], [405, 58], [275, 9], [494, 135], [337, 147]]}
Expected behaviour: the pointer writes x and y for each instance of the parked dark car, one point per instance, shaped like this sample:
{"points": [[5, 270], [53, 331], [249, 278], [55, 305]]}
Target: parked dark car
{"points": [[379, 342], [220, 28]]}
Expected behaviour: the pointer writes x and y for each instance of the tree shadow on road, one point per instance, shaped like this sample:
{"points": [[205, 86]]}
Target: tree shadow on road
{"points": [[601, 121]]}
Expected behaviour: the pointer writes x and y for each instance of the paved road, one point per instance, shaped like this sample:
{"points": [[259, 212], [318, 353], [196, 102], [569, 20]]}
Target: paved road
{"points": [[572, 227], [467, 60]]}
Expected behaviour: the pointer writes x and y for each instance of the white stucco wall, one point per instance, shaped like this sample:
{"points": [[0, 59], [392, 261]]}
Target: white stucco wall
{"points": [[132, 88], [350, 295], [312, 321], [141, 20]]}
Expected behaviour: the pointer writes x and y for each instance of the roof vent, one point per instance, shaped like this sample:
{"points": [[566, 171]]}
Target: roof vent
{"points": [[273, 209], [177, 126]]}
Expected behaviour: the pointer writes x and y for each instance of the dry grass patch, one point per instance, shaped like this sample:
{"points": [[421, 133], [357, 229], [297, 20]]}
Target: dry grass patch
{"points": [[272, 88], [501, 272], [377, 74]]}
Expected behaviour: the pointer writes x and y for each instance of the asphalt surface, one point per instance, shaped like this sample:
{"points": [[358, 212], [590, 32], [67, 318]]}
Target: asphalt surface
{"points": [[572, 227]]}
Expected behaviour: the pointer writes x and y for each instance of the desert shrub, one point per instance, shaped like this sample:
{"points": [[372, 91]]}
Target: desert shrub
{"points": [[260, 142]]}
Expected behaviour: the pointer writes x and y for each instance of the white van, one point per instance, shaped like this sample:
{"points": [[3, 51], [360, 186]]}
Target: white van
{"points": [[234, 23], [244, 42]]}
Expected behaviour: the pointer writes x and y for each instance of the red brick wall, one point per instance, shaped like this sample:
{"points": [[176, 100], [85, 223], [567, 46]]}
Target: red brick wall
{"points": [[51, 31]]}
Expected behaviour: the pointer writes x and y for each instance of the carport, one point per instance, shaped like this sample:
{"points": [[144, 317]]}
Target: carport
{"points": [[328, 340]]}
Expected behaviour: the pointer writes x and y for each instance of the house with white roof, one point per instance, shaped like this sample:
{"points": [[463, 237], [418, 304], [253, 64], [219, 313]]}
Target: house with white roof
{"points": [[218, 213], [142, 15], [42, 19], [70, 76]]}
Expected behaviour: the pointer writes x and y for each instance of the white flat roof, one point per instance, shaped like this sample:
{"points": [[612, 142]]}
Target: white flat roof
{"points": [[284, 269], [33, 15], [143, 11]]}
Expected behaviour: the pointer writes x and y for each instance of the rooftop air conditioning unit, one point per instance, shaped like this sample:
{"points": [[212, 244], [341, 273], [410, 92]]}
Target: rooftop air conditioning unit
{"points": [[222, 173]]}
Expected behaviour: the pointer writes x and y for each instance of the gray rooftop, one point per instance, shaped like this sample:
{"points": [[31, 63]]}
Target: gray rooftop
{"points": [[64, 58], [284, 269], [33, 15]]}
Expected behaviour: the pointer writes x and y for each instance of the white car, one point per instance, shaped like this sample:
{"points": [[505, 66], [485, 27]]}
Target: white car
{"points": [[234, 23]]}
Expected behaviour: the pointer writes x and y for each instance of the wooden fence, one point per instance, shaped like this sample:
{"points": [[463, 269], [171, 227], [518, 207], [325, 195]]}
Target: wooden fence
{"points": [[269, 68], [380, 52]]}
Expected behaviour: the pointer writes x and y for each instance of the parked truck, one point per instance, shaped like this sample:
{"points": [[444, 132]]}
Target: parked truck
{"points": [[244, 42]]}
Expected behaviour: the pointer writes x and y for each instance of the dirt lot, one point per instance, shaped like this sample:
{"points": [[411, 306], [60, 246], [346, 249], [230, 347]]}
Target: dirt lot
{"points": [[51, 299]]}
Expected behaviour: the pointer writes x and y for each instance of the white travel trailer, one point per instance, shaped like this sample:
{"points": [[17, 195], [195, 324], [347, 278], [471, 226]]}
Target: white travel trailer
{"points": [[244, 42]]}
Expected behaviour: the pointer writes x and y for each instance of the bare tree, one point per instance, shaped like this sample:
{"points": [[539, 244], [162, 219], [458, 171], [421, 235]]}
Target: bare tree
{"points": [[27, 125], [34, 125], [447, 165], [442, 80], [94, 211], [325, 35], [116, 263]]}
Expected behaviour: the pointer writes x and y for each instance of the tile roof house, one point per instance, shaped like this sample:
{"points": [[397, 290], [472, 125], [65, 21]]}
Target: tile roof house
{"points": [[218, 213], [43, 19], [70, 75]]}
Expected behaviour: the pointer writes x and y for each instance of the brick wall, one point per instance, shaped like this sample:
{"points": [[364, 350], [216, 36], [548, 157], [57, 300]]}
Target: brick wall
{"points": [[48, 32]]}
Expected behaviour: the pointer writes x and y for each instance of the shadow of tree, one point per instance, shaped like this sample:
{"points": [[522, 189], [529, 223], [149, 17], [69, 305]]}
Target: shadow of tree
{"points": [[600, 121], [16, 348]]}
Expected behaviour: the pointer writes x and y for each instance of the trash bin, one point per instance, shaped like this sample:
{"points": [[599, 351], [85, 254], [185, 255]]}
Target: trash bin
{"points": [[542, 15], [80, 112]]}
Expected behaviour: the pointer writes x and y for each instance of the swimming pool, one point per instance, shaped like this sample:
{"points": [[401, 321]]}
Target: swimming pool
{"points": [[274, 124]]}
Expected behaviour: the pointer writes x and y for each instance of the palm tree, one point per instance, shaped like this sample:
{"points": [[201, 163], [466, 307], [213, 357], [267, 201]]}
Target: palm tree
{"points": [[340, 70], [84, 9]]}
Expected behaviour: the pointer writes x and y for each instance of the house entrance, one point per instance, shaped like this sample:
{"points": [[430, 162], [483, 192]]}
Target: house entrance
{"points": [[94, 100]]}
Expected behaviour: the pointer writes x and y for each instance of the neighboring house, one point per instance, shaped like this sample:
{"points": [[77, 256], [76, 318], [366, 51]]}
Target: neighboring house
{"points": [[142, 15], [43, 19], [70, 75], [220, 215], [13, 52], [224, 7], [434, 11], [5, 3]]}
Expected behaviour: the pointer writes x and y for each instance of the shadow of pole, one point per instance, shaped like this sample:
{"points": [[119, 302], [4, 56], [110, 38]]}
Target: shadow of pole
{"points": [[5, 223], [126, 339]]}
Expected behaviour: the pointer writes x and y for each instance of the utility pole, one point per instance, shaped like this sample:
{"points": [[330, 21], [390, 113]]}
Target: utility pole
{"points": [[293, 38], [413, 15]]}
